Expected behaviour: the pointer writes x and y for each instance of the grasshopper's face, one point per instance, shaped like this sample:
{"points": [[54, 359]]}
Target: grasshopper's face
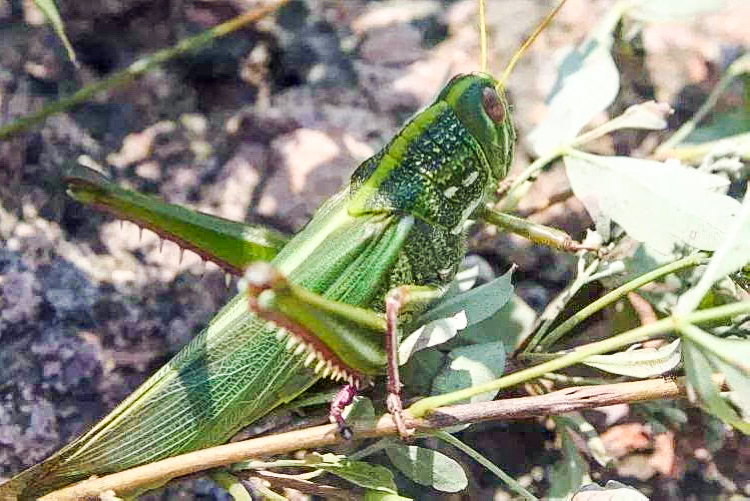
{"points": [[444, 161], [484, 112]]}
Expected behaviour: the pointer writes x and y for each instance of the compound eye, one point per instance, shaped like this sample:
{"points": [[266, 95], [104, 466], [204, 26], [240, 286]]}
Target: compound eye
{"points": [[492, 104]]}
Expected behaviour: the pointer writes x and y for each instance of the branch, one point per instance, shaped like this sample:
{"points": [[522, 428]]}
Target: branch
{"points": [[558, 402]]}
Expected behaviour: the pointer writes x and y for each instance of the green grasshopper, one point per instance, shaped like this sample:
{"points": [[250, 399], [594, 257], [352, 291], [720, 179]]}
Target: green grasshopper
{"points": [[331, 301]]}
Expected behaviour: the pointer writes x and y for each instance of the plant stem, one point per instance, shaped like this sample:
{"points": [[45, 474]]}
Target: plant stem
{"points": [[612, 296], [661, 327], [557, 402], [556, 306]]}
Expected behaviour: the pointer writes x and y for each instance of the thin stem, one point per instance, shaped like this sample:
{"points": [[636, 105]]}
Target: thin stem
{"points": [[136, 69], [564, 379], [370, 449], [661, 327], [476, 456], [557, 305], [616, 294]]}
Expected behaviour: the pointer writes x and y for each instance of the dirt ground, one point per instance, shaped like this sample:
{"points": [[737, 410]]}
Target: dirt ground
{"points": [[263, 126]]}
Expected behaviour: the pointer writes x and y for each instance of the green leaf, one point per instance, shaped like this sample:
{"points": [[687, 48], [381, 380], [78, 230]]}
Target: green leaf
{"points": [[734, 145], [371, 495], [568, 474], [510, 325], [471, 366], [640, 363], [369, 476], [421, 370], [49, 9], [360, 410], [732, 254], [724, 126], [479, 303], [587, 82], [428, 467], [661, 204], [704, 355], [436, 332], [443, 321], [660, 11]]}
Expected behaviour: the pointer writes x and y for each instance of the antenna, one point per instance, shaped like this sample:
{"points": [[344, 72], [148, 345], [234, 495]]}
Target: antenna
{"points": [[513, 60], [482, 38]]}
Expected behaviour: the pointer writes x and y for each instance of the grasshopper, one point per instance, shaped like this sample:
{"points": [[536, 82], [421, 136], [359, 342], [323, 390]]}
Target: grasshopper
{"points": [[330, 303]]}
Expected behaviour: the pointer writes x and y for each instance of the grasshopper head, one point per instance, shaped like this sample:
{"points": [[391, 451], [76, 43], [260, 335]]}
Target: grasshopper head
{"points": [[485, 113]]}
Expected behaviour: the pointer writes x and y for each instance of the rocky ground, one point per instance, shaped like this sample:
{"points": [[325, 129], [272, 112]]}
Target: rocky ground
{"points": [[263, 126]]}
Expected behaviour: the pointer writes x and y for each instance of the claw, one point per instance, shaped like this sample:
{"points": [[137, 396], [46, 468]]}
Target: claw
{"points": [[395, 407], [344, 397]]}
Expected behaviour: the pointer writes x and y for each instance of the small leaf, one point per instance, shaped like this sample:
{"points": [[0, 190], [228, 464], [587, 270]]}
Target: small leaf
{"points": [[662, 204], [466, 278], [640, 363], [732, 254], [731, 126], [363, 474], [479, 303], [510, 325], [49, 9], [660, 11], [650, 115], [705, 354], [421, 369], [360, 410], [371, 495], [471, 366], [734, 351], [734, 145], [587, 82], [428, 467], [457, 311], [436, 332]]}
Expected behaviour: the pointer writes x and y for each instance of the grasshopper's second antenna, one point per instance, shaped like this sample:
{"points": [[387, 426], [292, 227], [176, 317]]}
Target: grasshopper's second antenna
{"points": [[482, 38], [525, 45]]}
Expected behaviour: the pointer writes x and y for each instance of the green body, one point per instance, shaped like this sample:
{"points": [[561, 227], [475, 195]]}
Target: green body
{"points": [[399, 222]]}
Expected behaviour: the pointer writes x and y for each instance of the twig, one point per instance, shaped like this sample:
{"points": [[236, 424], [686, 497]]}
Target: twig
{"points": [[305, 486], [614, 295], [557, 402]]}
